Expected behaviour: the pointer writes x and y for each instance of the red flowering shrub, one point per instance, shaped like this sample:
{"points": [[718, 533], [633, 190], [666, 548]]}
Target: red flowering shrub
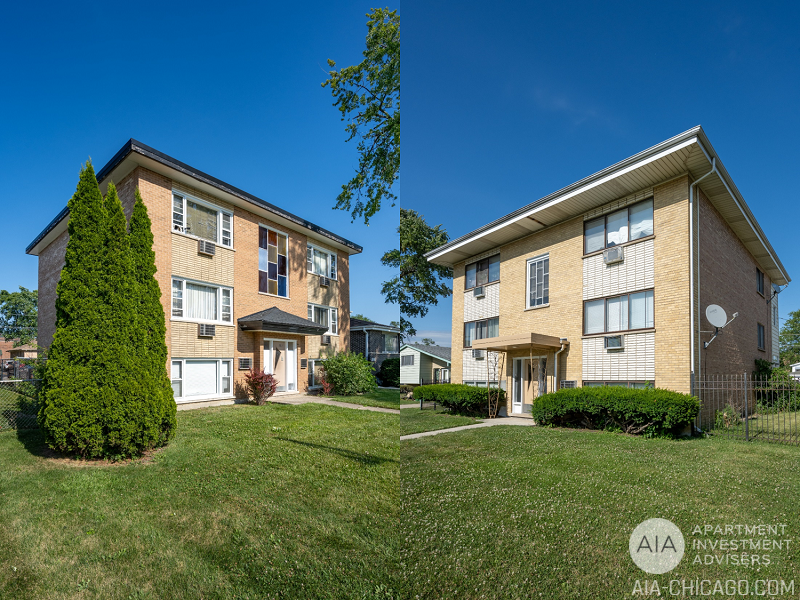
{"points": [[260, 385]]}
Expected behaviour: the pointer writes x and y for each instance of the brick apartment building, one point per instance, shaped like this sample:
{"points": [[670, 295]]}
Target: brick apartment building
{"points": [[607, 281], [244, 283], [376, 342]]}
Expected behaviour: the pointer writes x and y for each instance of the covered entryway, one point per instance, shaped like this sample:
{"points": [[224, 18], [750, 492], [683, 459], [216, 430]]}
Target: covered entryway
{"points": [[280, 359], [527, 381]]}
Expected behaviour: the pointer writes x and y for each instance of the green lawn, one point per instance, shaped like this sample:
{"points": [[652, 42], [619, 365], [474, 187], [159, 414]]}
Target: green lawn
{"points": [[416, 421], [527, 512], [247, 502], [779, 427], [379, 398]]}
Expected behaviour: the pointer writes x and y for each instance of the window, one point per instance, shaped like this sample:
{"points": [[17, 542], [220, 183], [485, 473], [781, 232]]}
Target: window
{"points": [[483, 272], [760, 281], [639, 385], [326, 316], [201, 302], [626, 225], [478, 330], [407, 360], [196, 379], [202, 220], [390, 342], [620, 313], [538, 281], [775, 314], [273, 262], [481, 383], [321, 262], [762, 344]]}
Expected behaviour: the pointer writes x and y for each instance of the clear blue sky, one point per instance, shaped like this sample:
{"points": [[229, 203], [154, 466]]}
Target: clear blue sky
{"points": [[232, 89], [506, 102]]}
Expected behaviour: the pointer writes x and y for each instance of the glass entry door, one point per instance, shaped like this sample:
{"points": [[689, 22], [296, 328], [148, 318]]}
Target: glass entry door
{"points": [[280, 359]]}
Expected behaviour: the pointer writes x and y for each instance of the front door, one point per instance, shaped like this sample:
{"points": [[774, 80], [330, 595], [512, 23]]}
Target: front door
{"points": [[525, 384], [280, 360]]}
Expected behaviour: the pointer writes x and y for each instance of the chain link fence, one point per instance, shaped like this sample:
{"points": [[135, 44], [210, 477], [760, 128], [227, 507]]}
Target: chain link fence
{"points": [[19, 404]]}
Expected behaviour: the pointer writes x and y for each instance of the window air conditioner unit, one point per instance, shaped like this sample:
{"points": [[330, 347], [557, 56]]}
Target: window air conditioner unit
{"points": [[206, 247], [326, 340], [324, 281], [478, 292], [613, 255], [303, 363], [205, 330], [176, 227], [615, 342], [568, 384], [478, 354], [245, 364]]}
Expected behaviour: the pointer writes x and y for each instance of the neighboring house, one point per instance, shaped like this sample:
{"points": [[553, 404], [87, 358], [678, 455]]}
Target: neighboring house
{"points": [[8, 351], [374, 341], [795, 370], [420, 364], [244, 283], [606, 282]]}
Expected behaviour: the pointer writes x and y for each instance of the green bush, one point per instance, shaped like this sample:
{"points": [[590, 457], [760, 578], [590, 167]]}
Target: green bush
{"points": [[457, 397], [389, 373], [405, 388], [648, 412], [349, 374]]}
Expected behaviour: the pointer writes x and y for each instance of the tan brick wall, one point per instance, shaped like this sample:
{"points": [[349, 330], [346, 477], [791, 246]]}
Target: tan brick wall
{"points": [[727, 277], [51, 261], [330, 296], [186, 262], [187, 344], [671, 297]]}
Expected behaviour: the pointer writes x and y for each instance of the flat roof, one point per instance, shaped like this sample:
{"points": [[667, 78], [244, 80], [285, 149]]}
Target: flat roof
{"points": [[687, 153], [135, 153]]}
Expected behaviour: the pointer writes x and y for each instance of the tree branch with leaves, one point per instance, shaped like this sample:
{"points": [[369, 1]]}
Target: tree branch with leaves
{"points": [[19, 315], [368, 96]]}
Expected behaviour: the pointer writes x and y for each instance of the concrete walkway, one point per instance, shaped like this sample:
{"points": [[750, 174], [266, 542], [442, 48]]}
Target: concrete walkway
{"points": [[305, 399], [486, 423]]}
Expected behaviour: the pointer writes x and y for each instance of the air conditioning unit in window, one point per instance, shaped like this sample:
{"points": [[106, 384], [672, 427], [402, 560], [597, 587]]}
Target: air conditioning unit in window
{"points": [[206, 247], [176, 227], [479, 354], [613, 255], [568, 384], [478, 292], [205, 330], [326, 340], [245, 364], [615, 342], [324, 281]]}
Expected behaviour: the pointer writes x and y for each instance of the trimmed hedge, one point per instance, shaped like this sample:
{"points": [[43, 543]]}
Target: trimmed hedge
{"points": [[458, 397], [389, 373], [649, 412], [349, 374]]}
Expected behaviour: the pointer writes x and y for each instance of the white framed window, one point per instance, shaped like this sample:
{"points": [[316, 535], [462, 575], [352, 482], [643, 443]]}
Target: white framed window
{"points": [[201, 219], [326, 316], [201, 302], [273, 262], [479, 330], [626, 225], [321, 262], [538, 291], [619, 313], [407, 360], [201, 378], [390, 342]]}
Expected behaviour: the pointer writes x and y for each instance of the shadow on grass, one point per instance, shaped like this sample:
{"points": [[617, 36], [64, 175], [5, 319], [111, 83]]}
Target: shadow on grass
{"points": [[33, 441], [365, 459]]}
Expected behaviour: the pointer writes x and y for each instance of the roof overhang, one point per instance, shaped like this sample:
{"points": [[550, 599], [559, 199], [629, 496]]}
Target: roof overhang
{"points": [[688, 153], [376, 327], [135, 154], [523, 341], [415, 349], [263, 326]]}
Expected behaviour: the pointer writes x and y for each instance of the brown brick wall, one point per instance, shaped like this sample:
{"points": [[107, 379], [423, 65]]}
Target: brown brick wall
{"points": [[727, 277], [51, 261]]}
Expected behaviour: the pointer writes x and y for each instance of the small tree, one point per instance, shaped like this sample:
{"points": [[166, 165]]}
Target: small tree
{"points": [[389, 372], [260, 385], [349, 374], [18, 315]]}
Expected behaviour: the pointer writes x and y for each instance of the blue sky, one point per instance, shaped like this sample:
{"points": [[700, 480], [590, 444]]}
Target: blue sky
{"points": [[232, 89], [506, 102]]}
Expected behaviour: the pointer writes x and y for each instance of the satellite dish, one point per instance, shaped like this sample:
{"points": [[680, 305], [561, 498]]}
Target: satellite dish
{"points": [[716, 315]]}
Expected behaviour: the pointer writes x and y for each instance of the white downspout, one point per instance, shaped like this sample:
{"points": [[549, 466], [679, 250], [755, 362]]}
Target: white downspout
{"points": [[564, 343], [691, 261], [366, 350]]}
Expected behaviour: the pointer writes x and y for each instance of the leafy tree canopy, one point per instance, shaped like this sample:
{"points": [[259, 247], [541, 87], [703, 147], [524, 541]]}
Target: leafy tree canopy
{"points": [[428, 342], [362, 317], [419, 283], [18, 315], [368, 96], [790, 339]]}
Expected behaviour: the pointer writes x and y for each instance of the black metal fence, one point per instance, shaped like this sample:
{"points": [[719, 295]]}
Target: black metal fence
{"points": [[747, 408], [12, 369], [19, 404]]}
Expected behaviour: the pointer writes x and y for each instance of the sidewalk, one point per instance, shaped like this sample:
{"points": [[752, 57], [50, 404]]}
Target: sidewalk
{"points": [[486, 423], [306, 399]]}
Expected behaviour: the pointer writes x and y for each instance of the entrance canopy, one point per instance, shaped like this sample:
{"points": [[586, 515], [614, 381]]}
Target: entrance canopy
{"points": [[274, 320], [520, 341]]}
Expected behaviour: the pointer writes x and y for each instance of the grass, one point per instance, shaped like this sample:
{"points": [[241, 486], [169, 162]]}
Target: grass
{"points": [[380, 398], [778, 426], [416, 421], [247, 502], [526, 512]]}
